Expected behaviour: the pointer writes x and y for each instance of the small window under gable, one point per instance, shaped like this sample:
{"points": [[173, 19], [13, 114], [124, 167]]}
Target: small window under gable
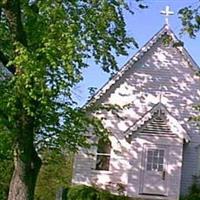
{"points": [[103, 155]]}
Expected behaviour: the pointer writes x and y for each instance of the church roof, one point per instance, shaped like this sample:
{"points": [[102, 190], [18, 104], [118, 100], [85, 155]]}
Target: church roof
{"points": [[158, 120], [165, 30]]}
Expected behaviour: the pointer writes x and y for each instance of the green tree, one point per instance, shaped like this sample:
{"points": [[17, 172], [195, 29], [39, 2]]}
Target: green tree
{"points": [[6, 164], [190, 18], [56, 172], [46, 44]]}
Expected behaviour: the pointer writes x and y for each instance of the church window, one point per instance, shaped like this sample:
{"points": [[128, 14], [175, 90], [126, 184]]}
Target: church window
{"points": [[103, 155], [155, 159]]}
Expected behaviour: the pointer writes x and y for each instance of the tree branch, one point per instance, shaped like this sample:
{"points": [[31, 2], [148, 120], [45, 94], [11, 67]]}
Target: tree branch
{"points": [[13, 14], [12, 11]]}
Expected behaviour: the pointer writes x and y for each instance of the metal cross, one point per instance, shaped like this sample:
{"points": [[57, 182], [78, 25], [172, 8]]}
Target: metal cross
{"points": [[167, 12]]}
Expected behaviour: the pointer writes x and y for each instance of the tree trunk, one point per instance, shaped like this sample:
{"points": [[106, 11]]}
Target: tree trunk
{"points": [[26, 168]]}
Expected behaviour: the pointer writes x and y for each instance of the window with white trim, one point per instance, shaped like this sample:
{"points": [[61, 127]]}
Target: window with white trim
{"points": [[155, 159], [103, 155]]}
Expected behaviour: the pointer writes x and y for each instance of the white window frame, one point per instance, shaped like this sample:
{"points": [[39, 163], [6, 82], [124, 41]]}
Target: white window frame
{"points": [[108, 155]]}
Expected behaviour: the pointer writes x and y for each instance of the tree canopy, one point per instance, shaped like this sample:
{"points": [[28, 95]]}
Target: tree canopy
{"points": [[190, 17], [45, 45]]}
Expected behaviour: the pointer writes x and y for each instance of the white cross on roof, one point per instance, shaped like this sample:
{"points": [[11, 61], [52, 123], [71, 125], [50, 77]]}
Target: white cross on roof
{"points": [[167, 12]]}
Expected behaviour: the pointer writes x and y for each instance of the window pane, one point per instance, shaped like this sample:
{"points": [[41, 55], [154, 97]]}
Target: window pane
{"points": [[160, 168], [156, 152], [155, 166], [102, 162], [155, 160], [150, 153], [160, 160], [161, 152], [149, 168], [150, 159], [104, 147]]}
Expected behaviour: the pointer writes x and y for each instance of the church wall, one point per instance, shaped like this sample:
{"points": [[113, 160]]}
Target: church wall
{"points": [[138, 90], [83, 162], [161, 67], [190, 166]]}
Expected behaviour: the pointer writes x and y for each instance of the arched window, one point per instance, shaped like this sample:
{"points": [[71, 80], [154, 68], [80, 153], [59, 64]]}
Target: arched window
{"points": [[103, 155]]}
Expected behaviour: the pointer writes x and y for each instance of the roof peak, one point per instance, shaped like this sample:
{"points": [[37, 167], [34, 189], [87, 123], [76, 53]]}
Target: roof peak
{"points": [[138, 55], [166, 28]]}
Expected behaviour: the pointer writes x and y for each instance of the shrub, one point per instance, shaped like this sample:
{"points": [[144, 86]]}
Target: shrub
{"points": [[194, 193], [82, 192]]}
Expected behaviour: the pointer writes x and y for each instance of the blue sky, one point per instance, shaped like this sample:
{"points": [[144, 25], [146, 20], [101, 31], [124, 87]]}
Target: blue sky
{"points": [[142, 26]]}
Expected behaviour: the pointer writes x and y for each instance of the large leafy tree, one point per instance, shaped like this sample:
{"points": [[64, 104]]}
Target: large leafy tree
{"points": [[190, 18], [45, 45]]}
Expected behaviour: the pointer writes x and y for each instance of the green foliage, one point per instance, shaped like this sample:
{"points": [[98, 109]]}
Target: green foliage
{"points": [[194, 193], [82, 192], [56, 172], [167, 39], [190, 17], [6, 168], [6, 164], [48, 52]]}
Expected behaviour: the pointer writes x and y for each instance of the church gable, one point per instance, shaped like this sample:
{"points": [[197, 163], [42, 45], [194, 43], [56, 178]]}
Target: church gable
{"points": [[160, 67], [158, 122], [161, 54]]}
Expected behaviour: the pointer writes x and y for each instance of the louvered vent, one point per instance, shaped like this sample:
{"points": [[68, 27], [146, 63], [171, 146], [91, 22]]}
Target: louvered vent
{"points": [[156, 125]]}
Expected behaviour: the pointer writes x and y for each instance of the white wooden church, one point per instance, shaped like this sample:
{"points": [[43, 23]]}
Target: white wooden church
{"points": [[154, 148]]}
